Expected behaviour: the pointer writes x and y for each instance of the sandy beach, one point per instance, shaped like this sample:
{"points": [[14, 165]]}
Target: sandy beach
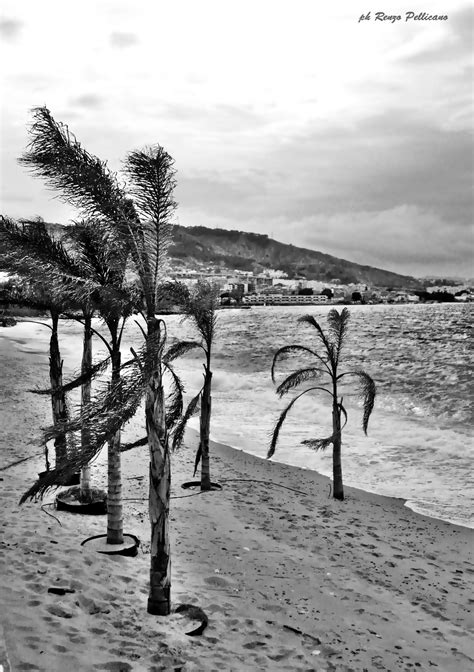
{"points": [[289, 578]]}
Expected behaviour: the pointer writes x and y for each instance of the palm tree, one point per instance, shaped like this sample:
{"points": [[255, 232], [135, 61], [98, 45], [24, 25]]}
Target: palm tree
{"points": [[142, 228], [18, 242], [114, 299], [200, 307], [325, 370], [82, 253]]}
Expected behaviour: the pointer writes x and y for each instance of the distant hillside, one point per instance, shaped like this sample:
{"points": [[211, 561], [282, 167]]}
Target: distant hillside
{"points": [[253, 251], [199, 246]]}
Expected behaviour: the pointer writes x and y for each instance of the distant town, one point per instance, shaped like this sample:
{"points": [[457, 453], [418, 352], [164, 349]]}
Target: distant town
{"points": [[274, 287]]}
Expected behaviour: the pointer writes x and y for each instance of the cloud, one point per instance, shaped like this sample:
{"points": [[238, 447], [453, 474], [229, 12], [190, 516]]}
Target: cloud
{"points": [[219, 118], [123, 40], [390, 191], [382, 162], [87, 100], [405, 239], [10, 29], [453, 45]]}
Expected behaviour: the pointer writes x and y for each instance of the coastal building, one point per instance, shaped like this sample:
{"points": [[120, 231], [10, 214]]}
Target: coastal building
{"points": [[274, 299]]}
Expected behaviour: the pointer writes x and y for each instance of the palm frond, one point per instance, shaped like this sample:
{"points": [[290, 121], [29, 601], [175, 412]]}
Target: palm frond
{"points": [[81, 178], [297, 378], [30, 251], [152, 182], [319, 444], [322, 444], [338, 326], [85, 377], [197, 459], [102, 418], [98, 249], [180, 428], [344, 413], [179, 349], [368, 391], [174, 405], [287, 349], [282, 418], [201, 309], [135, 444], [309, 319]]}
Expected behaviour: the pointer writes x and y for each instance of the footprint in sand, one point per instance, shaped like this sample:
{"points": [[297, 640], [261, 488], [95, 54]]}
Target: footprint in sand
{"points": [[60, 610], [218, 581], [114, 666]]}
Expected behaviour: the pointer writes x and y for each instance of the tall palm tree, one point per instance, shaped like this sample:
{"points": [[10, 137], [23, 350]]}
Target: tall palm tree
{"points": [[142, 228], [325, 370], [200, 308]]}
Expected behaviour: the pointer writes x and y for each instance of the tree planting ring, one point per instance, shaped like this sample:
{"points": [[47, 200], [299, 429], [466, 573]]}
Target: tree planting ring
{"points": [[98, 544], [69, 500], [197, 484]]}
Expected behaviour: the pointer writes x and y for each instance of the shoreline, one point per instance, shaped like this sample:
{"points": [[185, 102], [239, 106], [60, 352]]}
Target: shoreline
{"points": [[349, 490], [404, 500]]}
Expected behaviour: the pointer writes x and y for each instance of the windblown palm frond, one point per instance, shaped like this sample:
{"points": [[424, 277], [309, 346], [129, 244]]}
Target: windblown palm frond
{"points": [[282, 418], [99, 251], [297, 378], [287, 349], [80, 379], [152, 183], [192, 409], [309, 319], [174, 405], [30, 251], [319, 444], [102, 417], [179, 349], [367, 391], [81, 178], [338, 325], [201, 308], [135, 444], [322, 444]]}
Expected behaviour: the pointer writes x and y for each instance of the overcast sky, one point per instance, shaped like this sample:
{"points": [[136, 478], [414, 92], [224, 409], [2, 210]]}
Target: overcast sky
{"points": [[291, 118]]}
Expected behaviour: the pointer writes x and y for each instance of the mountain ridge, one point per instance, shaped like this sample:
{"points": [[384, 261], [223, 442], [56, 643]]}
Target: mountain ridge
{"points": [[254, 251]]}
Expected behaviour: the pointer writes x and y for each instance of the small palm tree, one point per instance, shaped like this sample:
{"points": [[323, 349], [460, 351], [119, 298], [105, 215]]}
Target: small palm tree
{"points": [[114, 300], [325, 370], [19, 242], [200, 308]]}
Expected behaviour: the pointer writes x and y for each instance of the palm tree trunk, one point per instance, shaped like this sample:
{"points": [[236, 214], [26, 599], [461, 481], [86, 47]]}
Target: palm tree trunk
{"points": [[85, 488], [159, 601], [58, 398], [338, 489], [205, 422], [114, 480]]}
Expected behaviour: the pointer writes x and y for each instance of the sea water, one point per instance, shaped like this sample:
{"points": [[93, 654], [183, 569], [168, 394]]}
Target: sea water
{"points": [[419, 445]]}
